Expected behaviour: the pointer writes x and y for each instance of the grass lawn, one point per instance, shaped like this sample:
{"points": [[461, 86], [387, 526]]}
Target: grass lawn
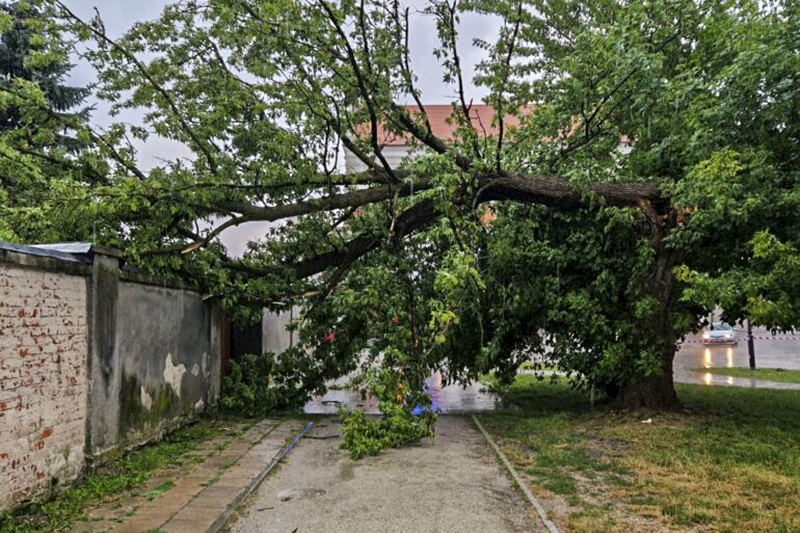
{"points": [[530, 365], [767, 374], [731, 464], [123, 473]]}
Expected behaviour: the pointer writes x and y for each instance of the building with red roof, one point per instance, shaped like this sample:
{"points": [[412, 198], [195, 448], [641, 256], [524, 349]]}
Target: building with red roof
{"points": [[396, 147]]}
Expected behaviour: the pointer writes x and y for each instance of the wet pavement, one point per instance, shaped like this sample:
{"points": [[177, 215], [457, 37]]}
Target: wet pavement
{"points": [[197, 494], [772, 351], [450, 399]]}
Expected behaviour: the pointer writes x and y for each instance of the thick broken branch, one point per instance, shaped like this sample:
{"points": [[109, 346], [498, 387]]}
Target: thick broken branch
{"points": [[562, 195], [546, 190], [328, 203], [408, 222]]}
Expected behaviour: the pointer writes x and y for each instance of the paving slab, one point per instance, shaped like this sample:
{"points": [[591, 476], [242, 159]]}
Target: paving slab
{"points": [[189, 526], [201, 514], [210, 509], [201, 494]]}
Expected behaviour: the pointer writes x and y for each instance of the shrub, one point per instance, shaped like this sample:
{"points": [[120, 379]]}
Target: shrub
{"points": [[247, 389]]}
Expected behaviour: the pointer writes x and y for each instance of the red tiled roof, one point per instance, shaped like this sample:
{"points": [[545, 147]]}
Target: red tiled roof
{"points": [[482, 117], [444, 127]]}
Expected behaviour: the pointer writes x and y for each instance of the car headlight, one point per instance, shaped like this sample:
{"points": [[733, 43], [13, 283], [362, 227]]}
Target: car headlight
{"points": [[706, 335]]}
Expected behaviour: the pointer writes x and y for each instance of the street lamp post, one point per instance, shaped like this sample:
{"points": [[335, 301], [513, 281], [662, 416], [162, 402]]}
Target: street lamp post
{"points": [[751, 349]]}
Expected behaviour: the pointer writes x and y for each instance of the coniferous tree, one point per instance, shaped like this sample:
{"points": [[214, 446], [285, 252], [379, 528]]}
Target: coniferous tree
{"points": [[44, 133], [16, 45]]}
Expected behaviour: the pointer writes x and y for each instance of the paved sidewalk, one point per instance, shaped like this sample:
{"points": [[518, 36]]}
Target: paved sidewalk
{"points": [[698, 377], [453, 484], [195, 500]]}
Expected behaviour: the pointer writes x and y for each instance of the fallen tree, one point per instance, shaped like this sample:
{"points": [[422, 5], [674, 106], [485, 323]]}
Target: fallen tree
{"points": [[652, 148]]}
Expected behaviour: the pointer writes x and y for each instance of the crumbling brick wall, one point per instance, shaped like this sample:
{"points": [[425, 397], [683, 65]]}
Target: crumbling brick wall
{"points": [[43, 384]]}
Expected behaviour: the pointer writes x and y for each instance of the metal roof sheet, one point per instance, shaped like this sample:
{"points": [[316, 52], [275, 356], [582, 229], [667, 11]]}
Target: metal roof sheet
{"points": [[45, 251]]}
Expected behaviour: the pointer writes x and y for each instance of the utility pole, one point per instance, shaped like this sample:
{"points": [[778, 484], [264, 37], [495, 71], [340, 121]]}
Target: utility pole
{"points": [[751, 349]]}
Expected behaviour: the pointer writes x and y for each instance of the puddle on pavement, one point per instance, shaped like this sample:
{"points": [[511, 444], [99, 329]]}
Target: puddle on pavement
{"points": [[706, 378], [446, 399], [694, 357], [457, 399]]}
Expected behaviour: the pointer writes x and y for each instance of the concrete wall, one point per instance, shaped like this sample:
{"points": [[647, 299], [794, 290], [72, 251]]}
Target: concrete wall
{"points": [[167, 346], [275, 337], [394, 155], [43, 356], [93, 358], [155, 361]]}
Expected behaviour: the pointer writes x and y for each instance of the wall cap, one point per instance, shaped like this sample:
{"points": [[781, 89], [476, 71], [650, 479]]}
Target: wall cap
{"points": [[81, 248], [77, 258]]}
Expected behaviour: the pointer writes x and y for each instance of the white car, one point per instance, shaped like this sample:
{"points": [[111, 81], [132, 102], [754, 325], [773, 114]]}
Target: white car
{"points": [[719, 333]]}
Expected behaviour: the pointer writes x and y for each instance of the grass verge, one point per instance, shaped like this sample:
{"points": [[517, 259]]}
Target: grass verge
{"points": [[128, 471], [730, 464], [766, 374], [530, 365]]}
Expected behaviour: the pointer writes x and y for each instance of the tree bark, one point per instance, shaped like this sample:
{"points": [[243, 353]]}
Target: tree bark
{"points": [[657, 391]]}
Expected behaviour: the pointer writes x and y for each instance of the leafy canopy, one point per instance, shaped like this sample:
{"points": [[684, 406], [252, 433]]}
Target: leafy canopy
{"points": [[651, 173], [41, 132]]}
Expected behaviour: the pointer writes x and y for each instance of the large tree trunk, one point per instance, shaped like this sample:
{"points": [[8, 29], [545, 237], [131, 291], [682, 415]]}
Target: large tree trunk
{"points": [[654, 392], [657, 390]]}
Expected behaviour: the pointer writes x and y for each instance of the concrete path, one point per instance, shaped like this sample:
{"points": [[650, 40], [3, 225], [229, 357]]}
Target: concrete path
{"points": [[451, 485]]}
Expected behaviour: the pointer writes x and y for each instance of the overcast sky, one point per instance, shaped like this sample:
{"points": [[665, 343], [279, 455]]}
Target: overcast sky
{"points": [[118, 15]]}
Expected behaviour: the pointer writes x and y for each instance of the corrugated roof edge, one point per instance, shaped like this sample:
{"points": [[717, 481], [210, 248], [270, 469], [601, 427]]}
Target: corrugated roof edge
{"points": [[80, 256], [43, 251], [81, 248]]}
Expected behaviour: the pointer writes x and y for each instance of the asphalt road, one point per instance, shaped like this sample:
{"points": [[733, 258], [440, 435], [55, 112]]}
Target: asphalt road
{"points": [[778, 351], [772, 351]]}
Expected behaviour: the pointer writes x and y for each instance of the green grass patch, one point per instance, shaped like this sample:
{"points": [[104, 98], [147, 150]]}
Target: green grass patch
{"points": [[559, 483], [159, 490], [122, 473], [530, 365], [767, 374], [730, 463]]}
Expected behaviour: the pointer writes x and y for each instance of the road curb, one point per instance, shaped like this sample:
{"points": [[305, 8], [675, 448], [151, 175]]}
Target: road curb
{"points": [[222, 521], [551, 527]]}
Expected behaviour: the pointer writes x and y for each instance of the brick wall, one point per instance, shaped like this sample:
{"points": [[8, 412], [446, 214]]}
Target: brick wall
{"points": [[43, 368]]}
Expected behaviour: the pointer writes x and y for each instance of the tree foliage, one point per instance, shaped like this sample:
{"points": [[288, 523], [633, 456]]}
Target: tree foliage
{"points": [[42, 125], [407, 416], [21, 41], [601, 256]]}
